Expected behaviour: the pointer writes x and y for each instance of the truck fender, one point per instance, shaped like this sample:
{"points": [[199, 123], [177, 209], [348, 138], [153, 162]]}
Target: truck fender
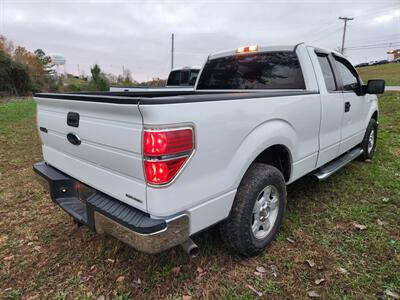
{"points": [[267, 134], [372, 109]]}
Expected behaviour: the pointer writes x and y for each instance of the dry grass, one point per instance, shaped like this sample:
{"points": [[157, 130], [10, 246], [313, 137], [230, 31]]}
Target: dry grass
{"points": [[42, 255]]}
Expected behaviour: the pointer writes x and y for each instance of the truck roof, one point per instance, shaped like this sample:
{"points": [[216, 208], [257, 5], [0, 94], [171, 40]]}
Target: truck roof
{"points": [[260, 48], [186, 68]]}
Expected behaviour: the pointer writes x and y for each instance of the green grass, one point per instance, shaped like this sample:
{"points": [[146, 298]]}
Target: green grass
{"points": [[15, 112], [390, 72], [43, 255], [76, 81]]}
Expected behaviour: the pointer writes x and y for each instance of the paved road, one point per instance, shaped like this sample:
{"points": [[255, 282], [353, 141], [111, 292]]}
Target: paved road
{"points": [[393, 88]]}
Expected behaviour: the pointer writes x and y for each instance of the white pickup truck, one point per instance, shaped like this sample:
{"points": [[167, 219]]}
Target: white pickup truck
{"points": [[181, 79], [154, 168]]}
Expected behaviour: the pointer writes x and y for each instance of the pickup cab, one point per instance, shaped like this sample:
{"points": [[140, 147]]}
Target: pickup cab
{"points": [[182, 78], [154, 168]]}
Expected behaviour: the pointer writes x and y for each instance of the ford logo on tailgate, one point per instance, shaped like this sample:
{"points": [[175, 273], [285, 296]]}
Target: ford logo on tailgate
{"points": [[74, 139]]}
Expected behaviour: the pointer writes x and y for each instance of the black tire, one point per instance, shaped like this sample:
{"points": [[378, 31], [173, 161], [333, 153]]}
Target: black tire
{"points": [[236, 230], [369, 152]]}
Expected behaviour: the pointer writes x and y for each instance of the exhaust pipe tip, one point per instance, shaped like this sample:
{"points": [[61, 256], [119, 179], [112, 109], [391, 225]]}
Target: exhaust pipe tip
{"points": [[191, 248], [194, 252]]}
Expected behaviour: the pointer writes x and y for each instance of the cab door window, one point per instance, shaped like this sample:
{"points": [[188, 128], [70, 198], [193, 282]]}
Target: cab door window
{"points": [[348, 74]]}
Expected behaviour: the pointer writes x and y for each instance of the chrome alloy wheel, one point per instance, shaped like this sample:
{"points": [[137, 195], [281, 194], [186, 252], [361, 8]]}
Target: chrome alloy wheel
{"points": [[265, 212], [371, 141]]}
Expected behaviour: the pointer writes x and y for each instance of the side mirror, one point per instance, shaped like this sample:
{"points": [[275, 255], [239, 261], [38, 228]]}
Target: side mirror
{"points": [[374, 86]]}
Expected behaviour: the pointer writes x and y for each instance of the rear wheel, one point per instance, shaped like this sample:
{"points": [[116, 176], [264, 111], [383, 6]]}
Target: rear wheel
{"points": [[257, 211], [369, 142]]}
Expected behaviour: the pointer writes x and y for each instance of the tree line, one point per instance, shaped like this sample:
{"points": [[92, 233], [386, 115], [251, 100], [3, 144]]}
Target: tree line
{"points": [[23, 72]]}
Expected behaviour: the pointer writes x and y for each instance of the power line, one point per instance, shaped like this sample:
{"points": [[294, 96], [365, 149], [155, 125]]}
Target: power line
{"points": [[367, 17], [326, 34], [380, 38], [325, 29], [345, 19], [389, 44], [321, 28], [375, 46]]}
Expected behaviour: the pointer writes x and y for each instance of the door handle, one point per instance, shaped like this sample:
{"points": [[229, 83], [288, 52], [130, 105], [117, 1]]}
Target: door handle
{"points": [[347, 106]]}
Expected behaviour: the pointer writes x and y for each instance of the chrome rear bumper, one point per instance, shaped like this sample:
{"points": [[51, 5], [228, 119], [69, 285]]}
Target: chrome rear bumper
{"points": [[176, 232], [105, 214]]}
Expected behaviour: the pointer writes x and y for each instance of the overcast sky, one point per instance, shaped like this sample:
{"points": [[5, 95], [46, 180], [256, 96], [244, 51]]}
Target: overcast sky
{"points": [[137, 34]]}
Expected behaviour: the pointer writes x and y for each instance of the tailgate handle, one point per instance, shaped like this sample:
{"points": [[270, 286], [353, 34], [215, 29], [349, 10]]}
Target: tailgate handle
{"points": [[74, 139], [73, 119]]}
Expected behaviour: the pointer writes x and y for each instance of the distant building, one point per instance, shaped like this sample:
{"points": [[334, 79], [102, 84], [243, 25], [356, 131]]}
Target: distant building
{"points": [[394, 54], [58, 60]]}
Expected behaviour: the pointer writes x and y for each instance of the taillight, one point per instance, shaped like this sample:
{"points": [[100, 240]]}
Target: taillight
{"points": [[161, 172], [165, 152], [167, 142]]}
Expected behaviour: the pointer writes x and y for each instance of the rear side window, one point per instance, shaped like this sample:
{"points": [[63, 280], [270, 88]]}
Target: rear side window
{"points": [[174, 78], [327, 72], [267, 70]]}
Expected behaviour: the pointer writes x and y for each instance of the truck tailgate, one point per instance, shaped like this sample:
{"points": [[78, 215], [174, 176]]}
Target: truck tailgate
{"points": [[109, 157]]}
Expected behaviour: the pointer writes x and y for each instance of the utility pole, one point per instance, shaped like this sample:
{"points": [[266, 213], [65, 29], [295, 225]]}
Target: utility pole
{"points": [[172, 51], [345, 19]]}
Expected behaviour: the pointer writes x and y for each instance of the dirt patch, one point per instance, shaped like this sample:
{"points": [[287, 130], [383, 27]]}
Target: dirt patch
{"points": [[7, 99], [395, 152]]}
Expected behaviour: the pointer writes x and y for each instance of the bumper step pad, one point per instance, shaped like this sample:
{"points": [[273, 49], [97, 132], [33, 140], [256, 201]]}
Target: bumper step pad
{"points": [[123, 214], [64, 192]]}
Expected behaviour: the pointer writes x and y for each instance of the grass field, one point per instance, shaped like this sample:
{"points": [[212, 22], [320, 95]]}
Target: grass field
{"points": [[390, 72], [43, 256]]}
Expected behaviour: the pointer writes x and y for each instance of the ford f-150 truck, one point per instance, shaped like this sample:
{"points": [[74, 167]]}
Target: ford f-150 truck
{"points": [[182, 78], [154, 168]]}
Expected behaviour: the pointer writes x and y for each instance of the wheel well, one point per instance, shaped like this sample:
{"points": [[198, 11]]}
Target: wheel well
{"points": [[277, 156], [375, 116]]}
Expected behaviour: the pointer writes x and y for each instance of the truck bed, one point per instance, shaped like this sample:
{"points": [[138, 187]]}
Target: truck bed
{"points": [[150, 89], [169, 97]]}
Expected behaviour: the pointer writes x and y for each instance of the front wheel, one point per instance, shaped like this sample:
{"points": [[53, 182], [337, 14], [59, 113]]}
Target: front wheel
{"points": [[257, 210], [369, 142]]}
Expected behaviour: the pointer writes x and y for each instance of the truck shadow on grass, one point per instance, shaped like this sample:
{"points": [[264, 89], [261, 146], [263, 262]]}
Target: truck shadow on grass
{"points": [[216, 265], [300, 194], [209, 240]]}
